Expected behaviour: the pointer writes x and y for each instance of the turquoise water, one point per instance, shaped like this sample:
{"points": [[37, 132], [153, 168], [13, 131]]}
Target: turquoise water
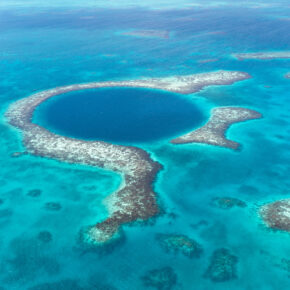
{"points": [[42, 48], [119, 115]]}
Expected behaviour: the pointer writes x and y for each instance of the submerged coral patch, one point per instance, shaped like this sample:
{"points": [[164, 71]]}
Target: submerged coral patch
{"points": [[180, 244], [222, 267], [44, 236], [160, 279], [34, 192], [285, 265], [227, 202], [53, 206]]}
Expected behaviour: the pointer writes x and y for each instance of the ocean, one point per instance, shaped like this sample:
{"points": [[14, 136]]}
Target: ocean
{"points": [[45, 203]]}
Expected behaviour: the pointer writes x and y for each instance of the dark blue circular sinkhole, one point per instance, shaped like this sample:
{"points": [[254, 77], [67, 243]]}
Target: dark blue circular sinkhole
{"points": [[119, 115]]}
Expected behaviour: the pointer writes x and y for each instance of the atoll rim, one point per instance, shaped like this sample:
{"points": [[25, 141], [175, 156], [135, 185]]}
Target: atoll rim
{"points": [[135, 200]]}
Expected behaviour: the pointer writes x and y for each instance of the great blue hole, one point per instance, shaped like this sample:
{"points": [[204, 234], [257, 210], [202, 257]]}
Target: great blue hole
{"points": [[119, 115]]}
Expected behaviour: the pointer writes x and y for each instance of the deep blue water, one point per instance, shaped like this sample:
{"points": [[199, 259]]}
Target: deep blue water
{"points": [[41, 48], [119, 115]]}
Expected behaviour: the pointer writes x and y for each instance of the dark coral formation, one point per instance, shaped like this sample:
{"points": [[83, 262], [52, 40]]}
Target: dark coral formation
{"points": [[161, 279], [44, 236], [213, 132], [34, 192], [135, 200], [227, 202], [53, 206], [223, 266], [180, 244], [277, 215]]}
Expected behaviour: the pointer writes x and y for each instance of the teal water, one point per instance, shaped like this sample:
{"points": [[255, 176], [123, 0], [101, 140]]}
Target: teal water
{"points": [[119, 115], [42, 48]]}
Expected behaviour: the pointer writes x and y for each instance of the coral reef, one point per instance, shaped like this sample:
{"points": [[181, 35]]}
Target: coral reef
{"points": [[263, 55], [161, 279], [135, 199], [222, 266], [180, 244], [213, 132], [227, 202], [276, 215]]}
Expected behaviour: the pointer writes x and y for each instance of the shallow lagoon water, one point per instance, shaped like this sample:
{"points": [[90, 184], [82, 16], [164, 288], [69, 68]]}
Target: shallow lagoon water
{"points": [[65, 46], [119, 115]]}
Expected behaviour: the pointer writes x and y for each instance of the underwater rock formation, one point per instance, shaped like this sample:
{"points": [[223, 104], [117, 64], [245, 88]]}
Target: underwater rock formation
{"points": [[227, 202], [213, 132], [276, 215], [263, 55], [161, 279], [222, 266], [180, 244], [135, 199]]}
